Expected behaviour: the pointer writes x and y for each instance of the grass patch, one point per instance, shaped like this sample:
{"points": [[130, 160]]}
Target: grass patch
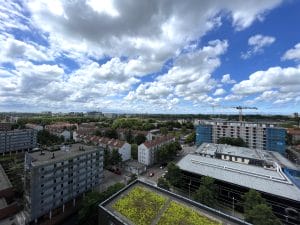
{"points": [[140, 205], [178, 214]]}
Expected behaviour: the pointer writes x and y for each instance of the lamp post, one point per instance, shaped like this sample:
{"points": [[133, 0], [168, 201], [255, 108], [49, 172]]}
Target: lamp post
{"points": [[233, 205], [190, 188]]}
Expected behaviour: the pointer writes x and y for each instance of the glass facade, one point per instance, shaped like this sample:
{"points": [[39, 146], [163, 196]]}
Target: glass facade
{"points": [[275, 139], [203, 134]]}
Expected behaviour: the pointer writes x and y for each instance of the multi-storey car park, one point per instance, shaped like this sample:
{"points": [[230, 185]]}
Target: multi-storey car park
{"points": [[17, 140], [266, 136], [236, 170], [56, 180]]}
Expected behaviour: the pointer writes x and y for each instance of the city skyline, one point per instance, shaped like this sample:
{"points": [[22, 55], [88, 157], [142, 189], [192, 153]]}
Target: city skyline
{"points": [[150, 57]]}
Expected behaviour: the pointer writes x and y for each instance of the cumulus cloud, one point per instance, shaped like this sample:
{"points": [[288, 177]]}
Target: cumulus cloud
{"points": [[292, 54], [116, 46], [257, 43], [281, 85], [219, 91], [227, 80]]}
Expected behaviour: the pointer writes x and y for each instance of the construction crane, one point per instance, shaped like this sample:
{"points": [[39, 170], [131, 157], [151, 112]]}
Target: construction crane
{"points": [[240, 108]]}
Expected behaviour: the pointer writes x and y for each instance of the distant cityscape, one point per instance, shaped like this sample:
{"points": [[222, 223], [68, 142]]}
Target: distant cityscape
{"points": [[52, 167]]}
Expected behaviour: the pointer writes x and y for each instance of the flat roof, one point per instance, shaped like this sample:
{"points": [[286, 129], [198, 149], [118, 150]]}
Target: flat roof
{"points": [[4, 181], [203, 210], [211, 149], [66, 152], [272, 181]]}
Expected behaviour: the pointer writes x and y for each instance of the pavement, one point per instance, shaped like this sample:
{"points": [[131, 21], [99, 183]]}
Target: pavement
{"points": [[111, 178]]}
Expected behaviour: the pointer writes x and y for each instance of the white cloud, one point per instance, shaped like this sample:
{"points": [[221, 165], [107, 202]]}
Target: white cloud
{"points": [[227, 80], [257, 44], [278, 85], [219, 91], [292, 54]]}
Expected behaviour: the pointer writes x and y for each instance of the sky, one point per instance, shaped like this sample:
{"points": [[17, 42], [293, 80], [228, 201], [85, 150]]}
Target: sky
{"points": [[141, 56]]}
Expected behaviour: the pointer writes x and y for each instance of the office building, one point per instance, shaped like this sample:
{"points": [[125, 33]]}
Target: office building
{"points": [[264, 136], [53, 180], [170, 209], [147, 150], [17, 140]]}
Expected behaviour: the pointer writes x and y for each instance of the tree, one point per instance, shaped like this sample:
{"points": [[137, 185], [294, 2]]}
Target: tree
{"points": [[174, 175], [139, 139], [191, 138], [232, 141], [163, 183], [107, 157], [44, 137], [129, 136], [88, 212], [251, 199], [261, 215], [206, 194], [111, 133], [115, 157], [134, 151], [257, 211], [133, 177], [164, 130]]}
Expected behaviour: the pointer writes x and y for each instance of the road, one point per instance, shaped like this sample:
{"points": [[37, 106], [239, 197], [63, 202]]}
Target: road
{"points": [[158, 172], [110, 179]]}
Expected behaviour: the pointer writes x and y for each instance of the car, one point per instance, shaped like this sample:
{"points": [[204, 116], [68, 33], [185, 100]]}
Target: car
{"points": [[151, 174]]}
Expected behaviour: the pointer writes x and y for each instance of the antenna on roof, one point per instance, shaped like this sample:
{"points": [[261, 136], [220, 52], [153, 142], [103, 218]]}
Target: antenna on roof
{"points": [[53, 156]]}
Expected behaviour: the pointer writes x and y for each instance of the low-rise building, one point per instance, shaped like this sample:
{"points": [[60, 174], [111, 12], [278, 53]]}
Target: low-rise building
{"points": [[61, 129], [147, 150], [164, 206], [234, 179], [17, 140], [122, 133], [54, 180]]}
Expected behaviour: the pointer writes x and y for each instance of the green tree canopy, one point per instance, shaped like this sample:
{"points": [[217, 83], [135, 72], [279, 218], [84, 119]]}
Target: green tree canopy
{"points": [[163, 183], [174, 175], [191, 138], [139, 139], [207, 193], [257, 211], [232, 141], [134, 151]]}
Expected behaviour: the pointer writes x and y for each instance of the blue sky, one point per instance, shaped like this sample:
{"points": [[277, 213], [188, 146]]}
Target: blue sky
{"points": [[150, 56]]}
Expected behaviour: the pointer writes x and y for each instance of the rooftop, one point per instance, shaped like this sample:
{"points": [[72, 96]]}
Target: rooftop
{"points": [[157, 141], [4, 181], [66, 152], [211, 149], [258, 178], [148, 204]]}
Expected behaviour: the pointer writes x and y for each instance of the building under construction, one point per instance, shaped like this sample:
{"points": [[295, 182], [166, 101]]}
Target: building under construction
{"points": [[266, 136]]}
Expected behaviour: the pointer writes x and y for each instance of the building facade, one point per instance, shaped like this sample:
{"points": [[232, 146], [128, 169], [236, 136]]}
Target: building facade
{"points": [[54, 179], [17, 140], [147, 150], [264, 136], [5, 126]]}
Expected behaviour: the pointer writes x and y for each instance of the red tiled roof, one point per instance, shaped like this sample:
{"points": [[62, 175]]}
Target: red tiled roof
{"points": [[294, 131], [157, 141]]}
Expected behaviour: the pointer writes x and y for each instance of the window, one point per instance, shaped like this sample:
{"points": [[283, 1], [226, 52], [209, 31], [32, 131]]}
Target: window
{"points": [[42, 185]]}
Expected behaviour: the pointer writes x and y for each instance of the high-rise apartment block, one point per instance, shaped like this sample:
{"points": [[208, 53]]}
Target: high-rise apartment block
{"points": [[266, 136], [55, 180], [17, 140]]}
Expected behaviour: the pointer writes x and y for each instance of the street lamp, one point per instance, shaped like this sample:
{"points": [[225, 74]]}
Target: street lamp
{"points": [[190, 188], [233, 205]]}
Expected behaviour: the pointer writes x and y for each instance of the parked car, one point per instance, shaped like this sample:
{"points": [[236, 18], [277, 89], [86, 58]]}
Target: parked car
{"points": [[151, 174]]}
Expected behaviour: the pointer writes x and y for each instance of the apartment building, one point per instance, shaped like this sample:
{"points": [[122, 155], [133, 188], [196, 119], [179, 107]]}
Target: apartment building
{"points": [[53, 180], [17, 140], [147, 150], [123, 132], [266, 136], [61, 129]]}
